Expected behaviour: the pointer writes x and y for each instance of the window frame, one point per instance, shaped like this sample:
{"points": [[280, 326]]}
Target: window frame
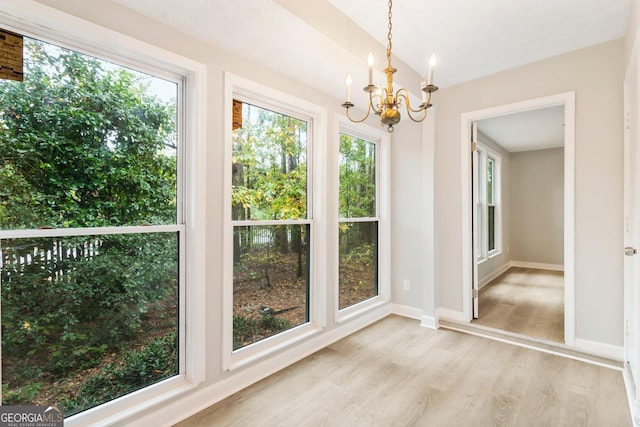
{"points": [[382, 141], [52, 26], [486, 154], [491, 203], [246, 90], [480, 204]]}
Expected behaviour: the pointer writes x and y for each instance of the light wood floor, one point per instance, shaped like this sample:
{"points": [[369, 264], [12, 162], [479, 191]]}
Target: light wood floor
{"points": [[396, 373], [525, 301]]}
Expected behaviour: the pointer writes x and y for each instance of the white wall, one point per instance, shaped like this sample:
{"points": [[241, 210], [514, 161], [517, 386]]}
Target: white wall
{"points": [[537, 206], [632, 28], [408, 240], [598, 177]]}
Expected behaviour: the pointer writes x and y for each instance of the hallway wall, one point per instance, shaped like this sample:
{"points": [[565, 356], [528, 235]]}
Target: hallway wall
{"points": [[537, 206]]}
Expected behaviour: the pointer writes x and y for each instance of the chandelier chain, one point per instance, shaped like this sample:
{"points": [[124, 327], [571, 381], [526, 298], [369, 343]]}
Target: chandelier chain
{"points": [[389, 44]]}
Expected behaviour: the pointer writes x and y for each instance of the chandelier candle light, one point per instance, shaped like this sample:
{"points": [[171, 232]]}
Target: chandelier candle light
{"points": [[384, 102]]}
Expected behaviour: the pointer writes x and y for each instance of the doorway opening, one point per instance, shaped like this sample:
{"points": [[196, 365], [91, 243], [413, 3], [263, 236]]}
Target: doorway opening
{"points": [[518, 219]]}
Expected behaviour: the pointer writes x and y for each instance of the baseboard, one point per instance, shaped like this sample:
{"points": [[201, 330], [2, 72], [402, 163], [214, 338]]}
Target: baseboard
{"points": [[414, 313], [613, 352], [429, 322], [537, 265], [406, 311], [630, 387], [182, 408], [451, 315], [489, 277]]}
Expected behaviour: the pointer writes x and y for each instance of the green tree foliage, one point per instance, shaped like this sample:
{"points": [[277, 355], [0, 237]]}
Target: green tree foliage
{"points": [[357, 178], [357, 196], [270, 175], [269, 166], [83, 143]]}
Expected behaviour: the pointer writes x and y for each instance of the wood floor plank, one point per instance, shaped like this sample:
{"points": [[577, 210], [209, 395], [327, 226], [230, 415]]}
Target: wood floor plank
{"points": [[525, 301], [396, 373]]}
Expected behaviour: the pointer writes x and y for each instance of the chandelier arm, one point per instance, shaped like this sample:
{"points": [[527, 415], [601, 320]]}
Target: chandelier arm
{"points": [[362, 119], [422, 106], [417, 120], [373, 105]]}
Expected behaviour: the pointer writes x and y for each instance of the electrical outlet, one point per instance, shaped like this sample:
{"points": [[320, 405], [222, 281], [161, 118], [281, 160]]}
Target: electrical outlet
{"points": [[406, 285]]}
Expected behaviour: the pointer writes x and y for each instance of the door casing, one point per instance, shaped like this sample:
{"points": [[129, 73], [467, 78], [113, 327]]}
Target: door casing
{"points": [[632, 227], [567, 100]]}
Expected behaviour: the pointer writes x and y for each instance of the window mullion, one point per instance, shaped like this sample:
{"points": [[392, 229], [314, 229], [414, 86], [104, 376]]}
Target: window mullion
{"points": [[359, 219], [250, 223], [89, 231]]}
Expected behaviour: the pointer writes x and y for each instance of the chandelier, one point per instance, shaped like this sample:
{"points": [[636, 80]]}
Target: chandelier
{"points": [[383, 101]]}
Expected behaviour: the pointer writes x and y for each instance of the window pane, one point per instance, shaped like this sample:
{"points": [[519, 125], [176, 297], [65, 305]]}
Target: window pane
{"points": [[358, 262], [480, 177], [357, 178], [270, 281], [478, 231], [269, 173], [85, 143], [492, 227], [87, 319], [490, 171]]}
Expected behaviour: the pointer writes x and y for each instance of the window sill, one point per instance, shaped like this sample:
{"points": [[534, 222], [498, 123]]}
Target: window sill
{"points": [[263, 348], [360, 308], [130, 405]]}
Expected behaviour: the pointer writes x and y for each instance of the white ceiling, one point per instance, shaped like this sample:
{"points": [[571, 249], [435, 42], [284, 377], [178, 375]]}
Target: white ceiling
{"points": [[478, 38], [528, 130], [471, 38]]}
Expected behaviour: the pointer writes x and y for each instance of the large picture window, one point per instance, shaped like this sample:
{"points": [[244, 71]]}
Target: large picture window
{"points": [[358, 222], [271, 216], [91, 230]]}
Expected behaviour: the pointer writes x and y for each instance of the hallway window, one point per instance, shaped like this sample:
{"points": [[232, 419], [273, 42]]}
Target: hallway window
{"points": [[92, 222], [358, 222], [488, 208], [491, 205]]}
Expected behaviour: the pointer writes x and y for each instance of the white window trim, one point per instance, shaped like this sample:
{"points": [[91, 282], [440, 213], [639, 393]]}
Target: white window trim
{"points": [[497, 226], [382, 141], [240, 88], [481, 233], [484, 153], [39, 21]]}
